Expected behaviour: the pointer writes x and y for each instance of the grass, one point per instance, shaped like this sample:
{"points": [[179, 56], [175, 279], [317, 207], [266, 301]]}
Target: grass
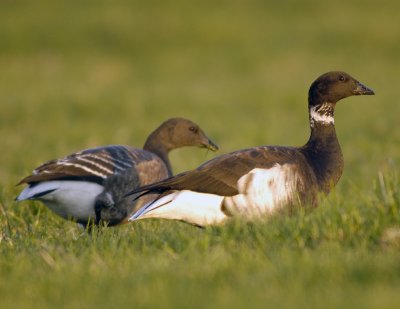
{"points": [[81, 74]]}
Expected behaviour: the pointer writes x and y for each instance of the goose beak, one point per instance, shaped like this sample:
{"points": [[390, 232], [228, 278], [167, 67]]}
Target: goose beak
{"points": [[209, 144], [362, 90]]}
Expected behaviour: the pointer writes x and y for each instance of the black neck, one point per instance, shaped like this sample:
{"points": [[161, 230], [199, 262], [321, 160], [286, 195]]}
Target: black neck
{"points": [[322, 149]]}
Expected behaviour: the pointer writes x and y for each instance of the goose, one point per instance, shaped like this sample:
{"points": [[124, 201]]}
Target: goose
{"points": [[252, 182], [90, 185]]}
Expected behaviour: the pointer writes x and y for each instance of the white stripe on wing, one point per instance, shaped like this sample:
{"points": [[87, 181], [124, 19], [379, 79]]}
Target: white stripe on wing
{"points": [[99, 166], [83, 167]]}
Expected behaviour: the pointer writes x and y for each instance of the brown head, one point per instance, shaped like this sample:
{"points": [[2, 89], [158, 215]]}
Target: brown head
{"points": [[176, 133], [334, 86]]}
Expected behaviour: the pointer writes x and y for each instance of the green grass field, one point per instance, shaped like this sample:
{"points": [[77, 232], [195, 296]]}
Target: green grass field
{"points": [[78, 74]]}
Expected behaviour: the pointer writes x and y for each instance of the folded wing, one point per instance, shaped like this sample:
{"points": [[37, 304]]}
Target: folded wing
{"points": [[220, 175], [93, 165]]}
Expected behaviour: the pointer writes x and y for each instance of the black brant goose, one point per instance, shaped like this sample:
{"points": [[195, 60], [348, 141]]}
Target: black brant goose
{"points": [[91, 185], [259, 180]]}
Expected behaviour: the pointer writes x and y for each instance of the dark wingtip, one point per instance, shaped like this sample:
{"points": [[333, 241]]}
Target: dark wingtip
{"points": [[136, 191], [23, 181], [129, 193]]}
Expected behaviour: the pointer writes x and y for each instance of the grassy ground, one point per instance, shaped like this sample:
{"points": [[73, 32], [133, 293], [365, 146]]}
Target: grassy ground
{"points": [[79, 74]]}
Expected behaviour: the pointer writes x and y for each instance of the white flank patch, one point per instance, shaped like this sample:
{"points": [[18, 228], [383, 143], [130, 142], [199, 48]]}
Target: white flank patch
{"points": [[262, 191], [321, 118], [193, 207], [70, 199]]}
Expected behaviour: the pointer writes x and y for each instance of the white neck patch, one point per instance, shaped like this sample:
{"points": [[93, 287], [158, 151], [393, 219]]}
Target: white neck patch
{"points": [[317, 115]]}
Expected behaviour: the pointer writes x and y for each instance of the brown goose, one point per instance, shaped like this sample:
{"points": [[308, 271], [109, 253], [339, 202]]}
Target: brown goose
{"points": [[259, 180], [91, 184]]}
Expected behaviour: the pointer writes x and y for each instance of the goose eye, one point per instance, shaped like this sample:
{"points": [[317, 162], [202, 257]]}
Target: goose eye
{"points": [[193, 129], [342, 78]]}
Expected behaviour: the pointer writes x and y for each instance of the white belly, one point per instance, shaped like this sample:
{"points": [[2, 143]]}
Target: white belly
{"points": [[70, 199]]}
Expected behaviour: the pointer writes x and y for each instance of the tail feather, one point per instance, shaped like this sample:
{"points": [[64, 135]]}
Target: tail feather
{"points": [[158, 202], [193, 207], [35, 191]]}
